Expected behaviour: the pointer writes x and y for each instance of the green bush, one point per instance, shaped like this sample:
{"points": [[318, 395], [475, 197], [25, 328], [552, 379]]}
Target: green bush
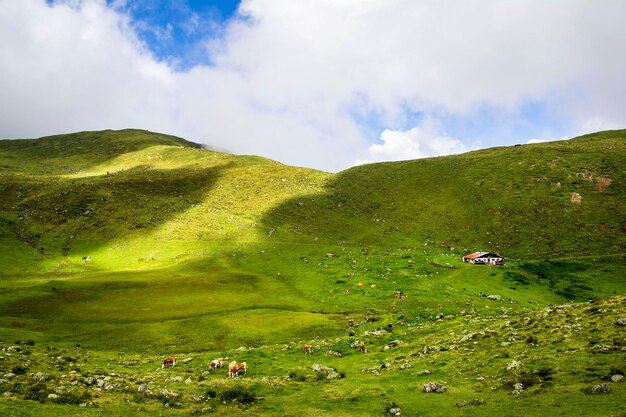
{"points": [[238, 393]]}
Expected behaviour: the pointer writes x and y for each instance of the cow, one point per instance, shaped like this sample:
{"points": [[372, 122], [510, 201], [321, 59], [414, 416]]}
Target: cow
{"points": [[170, 361], [234, 368], [216, 362], [362, 346], [439, 306], [308, 349]]}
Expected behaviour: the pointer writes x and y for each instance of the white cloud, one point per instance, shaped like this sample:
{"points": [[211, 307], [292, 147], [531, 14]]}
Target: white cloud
{"points": [[425, 140], [289, 77]]}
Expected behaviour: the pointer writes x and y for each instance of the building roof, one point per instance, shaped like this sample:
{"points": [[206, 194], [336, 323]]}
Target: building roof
{"points": [[480, 255]]}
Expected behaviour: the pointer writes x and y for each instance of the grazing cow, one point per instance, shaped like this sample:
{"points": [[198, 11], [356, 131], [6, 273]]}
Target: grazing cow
{"points": [[440, 316], [308, 349], [362, 346], [439, 306], [216, 362], [171, 361], [351, 322], [234, 368]]}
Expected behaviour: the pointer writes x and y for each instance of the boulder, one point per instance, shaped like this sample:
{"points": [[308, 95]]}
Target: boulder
{"points": [[621, 321], [601, 389], [617, 378], [330, 372], [513, 365], [395, 411], [434, 387]]}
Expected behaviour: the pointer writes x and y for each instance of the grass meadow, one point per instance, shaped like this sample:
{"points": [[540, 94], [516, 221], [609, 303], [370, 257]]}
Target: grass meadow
{"points": [[121, 248]]}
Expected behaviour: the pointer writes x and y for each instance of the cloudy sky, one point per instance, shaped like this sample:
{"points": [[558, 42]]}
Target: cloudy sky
{"points": [[325, 84]]}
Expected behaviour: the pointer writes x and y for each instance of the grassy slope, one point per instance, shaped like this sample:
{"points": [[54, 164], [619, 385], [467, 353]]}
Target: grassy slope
{"points": [[196, 251]]}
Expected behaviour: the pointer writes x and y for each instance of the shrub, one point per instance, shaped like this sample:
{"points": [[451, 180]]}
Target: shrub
{"points": [[238, 393], [19, 370], [296, 376]]}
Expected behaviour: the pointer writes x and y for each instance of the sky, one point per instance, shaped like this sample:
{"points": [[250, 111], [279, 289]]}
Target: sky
{"points": [[325, 84]]}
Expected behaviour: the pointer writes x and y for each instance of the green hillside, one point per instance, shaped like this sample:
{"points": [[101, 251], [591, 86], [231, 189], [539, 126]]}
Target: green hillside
{"points": [[118, 248]]}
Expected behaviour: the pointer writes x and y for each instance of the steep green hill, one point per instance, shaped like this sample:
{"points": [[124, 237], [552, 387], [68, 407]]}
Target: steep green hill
{"points": [[549, 199], [64, 197], [118, 248]]}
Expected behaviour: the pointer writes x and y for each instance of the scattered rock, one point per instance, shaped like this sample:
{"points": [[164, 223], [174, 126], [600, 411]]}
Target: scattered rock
{"points": [[335, 353], [601, 389], [187, 360], [617, 378], [513, 365], [241, 348], [493, 297], [433, 387], [461, 403], [478, 401], [330, 372], [621, 321], [52, 397], [405, 365], [169, 394], [376, 370], [142, 388], [174, 379], [395, 411]]}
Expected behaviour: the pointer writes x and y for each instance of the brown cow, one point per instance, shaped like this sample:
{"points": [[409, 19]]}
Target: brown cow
{"points": [[362, 346], [216, 362], [308, 349], [170, 361], [234, 368]]}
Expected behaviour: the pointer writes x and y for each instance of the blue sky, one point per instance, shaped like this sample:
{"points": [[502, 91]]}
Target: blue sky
{"points": [[317, 83], [174, 30]]}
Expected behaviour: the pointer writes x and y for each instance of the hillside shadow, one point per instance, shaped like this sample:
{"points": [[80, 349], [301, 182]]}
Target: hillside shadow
{"points": [[59, 213]]}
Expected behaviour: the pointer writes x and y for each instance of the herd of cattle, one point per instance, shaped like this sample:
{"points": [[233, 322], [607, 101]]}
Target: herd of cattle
{"points": [[234, 368]]}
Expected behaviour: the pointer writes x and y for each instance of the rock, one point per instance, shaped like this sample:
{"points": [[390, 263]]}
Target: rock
{"points": [[335, 353], [601, 389], [513, 365], [241, 348], [494, 297], [461, 403], [405, 365], [187, 360], [188, 381], [478, 401], [169, 394], [621, 321], [375, 371], [518, 386], [14, 349], [617, 378], [52, 396], [395, 411], [330, 372], [433, 387], [142, 388], [174, 379]]}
